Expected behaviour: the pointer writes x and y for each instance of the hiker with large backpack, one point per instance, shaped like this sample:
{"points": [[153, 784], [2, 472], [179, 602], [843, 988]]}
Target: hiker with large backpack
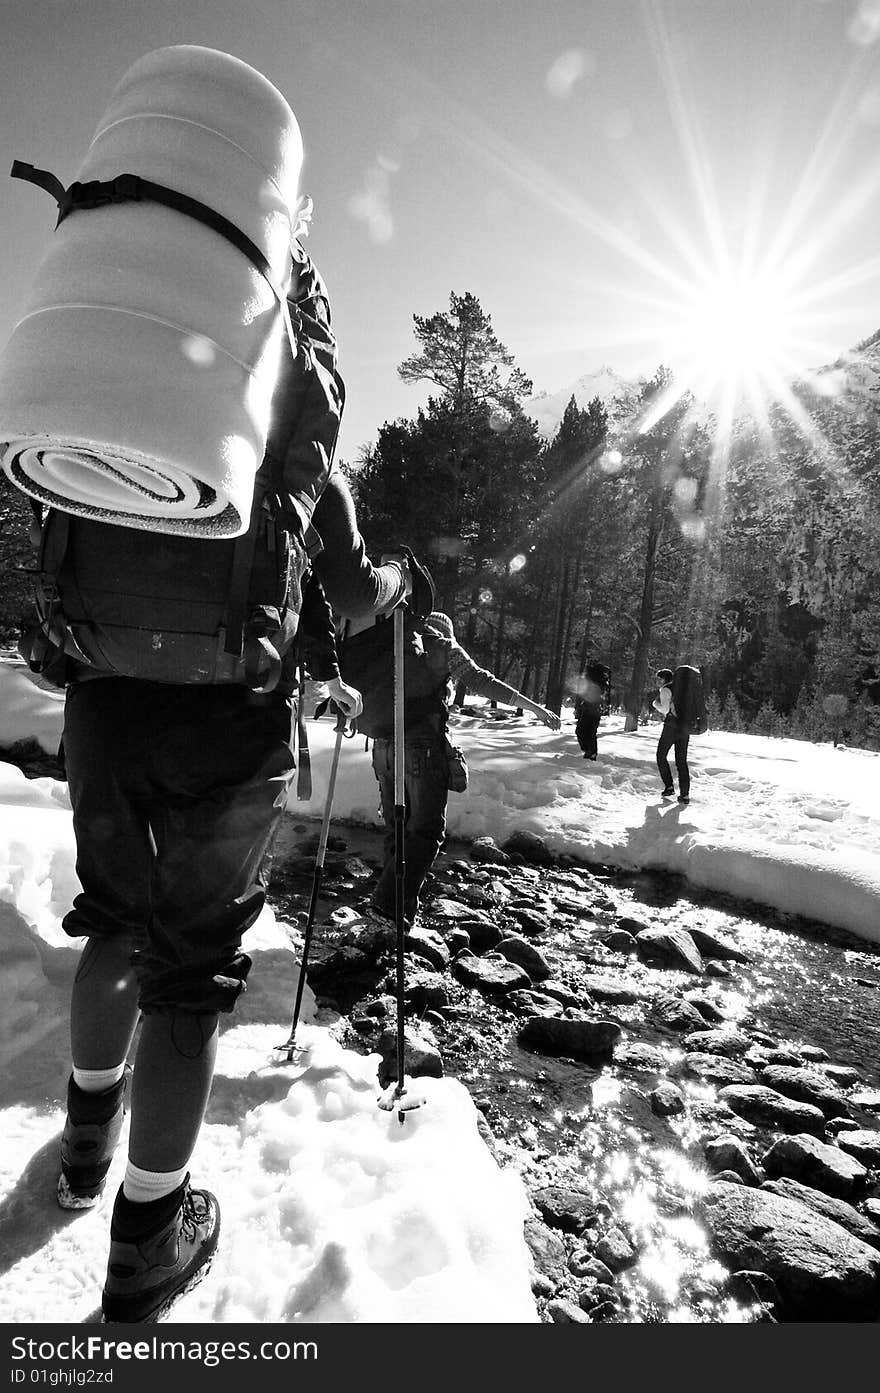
{"points": [[434, 664], [682, 704], [179, 655]]}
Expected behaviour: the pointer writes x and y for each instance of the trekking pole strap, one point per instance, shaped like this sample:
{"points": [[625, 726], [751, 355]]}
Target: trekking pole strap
{"points": [[127, 188]]}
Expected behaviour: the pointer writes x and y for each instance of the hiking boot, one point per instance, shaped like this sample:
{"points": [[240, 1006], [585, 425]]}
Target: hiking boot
{"points": [[159, 1253], [683, 798], [668, 792], [91, 1132]]}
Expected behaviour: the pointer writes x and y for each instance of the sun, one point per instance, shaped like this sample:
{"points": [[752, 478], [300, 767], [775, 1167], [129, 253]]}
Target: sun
{"points": [[737, 329], [737, 339]]}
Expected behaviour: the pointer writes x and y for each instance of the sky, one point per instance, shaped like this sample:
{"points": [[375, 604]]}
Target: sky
{"points": [[332, 1210], [622, 182]]}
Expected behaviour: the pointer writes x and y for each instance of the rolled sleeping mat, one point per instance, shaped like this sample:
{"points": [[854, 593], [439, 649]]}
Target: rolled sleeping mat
{"points": [[136, 386]]}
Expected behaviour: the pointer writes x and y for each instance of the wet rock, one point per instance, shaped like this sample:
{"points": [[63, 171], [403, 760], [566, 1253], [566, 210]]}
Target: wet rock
{"points": [[714, 945], [421, 1059], [530, 847], [606, 1310], [584, 1263], [729, 1153], [615, 1250], [533, 1003], [716, 969], [844, 1075], [729, 1042], [835, 1125], [671, 948], [525, 955], [640, 1057], [864, 1145], [867, 1098], [429, 945], [666, 1100], [444, 912], [550, 987], [706, 1005], [424, 991], [817, 1164], [565, 1208], [838, 1210], [807, 1087], [764, 1107], [563, 1311], [814, 1054], [457, 940], [548, 1251], [493, 975], [620, 941], [713, 1068], [614, 988], [728, 1177], [579, 1039], [632, 925], [477, 896], [787, 1059], [821, 1272], [529, 922], [486, 850], [673, 1013], [872, 1209]]}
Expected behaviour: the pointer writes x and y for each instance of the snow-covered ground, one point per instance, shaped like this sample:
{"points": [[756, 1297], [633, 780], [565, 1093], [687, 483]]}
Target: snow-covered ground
{"points": [[332, 1210]]}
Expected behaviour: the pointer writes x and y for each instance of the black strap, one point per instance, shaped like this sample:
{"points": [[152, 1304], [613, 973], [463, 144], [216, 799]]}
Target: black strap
{"points": [[126, 188]]}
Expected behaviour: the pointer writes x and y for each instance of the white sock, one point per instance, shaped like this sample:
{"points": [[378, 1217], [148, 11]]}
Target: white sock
{"points": [[141, 1186], [97, 1080]]}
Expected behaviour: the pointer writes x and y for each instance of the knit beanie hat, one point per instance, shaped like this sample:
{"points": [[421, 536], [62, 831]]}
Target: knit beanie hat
{"points": [[440, 623]]}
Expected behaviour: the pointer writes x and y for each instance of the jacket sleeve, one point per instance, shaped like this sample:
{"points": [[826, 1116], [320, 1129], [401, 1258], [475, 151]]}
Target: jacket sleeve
{"points": [[354, 586], [318, 634], [463, 669], [307, 404]]}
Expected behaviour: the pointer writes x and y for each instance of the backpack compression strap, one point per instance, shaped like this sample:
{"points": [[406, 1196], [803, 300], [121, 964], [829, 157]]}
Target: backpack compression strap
{"points": [[127, 188]]}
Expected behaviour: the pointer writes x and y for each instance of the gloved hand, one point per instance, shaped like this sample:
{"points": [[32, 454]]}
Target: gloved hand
{"points": [[348, 699]]}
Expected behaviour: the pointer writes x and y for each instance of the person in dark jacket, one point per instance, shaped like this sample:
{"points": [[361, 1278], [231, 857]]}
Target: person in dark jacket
{"points": [[591, 704], [426, 759]]}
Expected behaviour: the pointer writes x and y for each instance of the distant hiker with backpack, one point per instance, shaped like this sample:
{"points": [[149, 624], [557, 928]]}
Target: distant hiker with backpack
{"points": [[591, 704], [681, 702], [178, 644], [434, 665]]}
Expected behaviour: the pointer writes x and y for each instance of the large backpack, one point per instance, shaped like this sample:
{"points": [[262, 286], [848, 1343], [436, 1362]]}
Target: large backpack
{"points": [[121, 601], [688, 700]]}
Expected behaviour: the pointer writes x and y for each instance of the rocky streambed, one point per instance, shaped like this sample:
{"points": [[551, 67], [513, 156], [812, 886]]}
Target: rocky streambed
{"points": [[688, 1086]]}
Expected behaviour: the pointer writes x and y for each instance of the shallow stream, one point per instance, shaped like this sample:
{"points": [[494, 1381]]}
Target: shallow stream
{"points": [[809, 989]]}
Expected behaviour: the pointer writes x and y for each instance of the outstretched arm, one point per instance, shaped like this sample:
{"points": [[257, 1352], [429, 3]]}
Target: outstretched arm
{"points": [[462, 669]]}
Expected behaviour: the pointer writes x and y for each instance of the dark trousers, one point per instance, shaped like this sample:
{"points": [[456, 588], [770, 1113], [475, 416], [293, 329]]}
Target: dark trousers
{"points": [[426, 790], [177, 793], [586, 730], [674, 736]]}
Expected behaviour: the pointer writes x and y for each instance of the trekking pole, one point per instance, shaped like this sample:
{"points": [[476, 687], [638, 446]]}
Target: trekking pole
{"points": [[289, 1043], [395, 1096]]}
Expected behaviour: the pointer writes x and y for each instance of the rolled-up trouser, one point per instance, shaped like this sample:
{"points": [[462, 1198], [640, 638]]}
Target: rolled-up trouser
{"points": [[177, 793], [426, 789]]}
